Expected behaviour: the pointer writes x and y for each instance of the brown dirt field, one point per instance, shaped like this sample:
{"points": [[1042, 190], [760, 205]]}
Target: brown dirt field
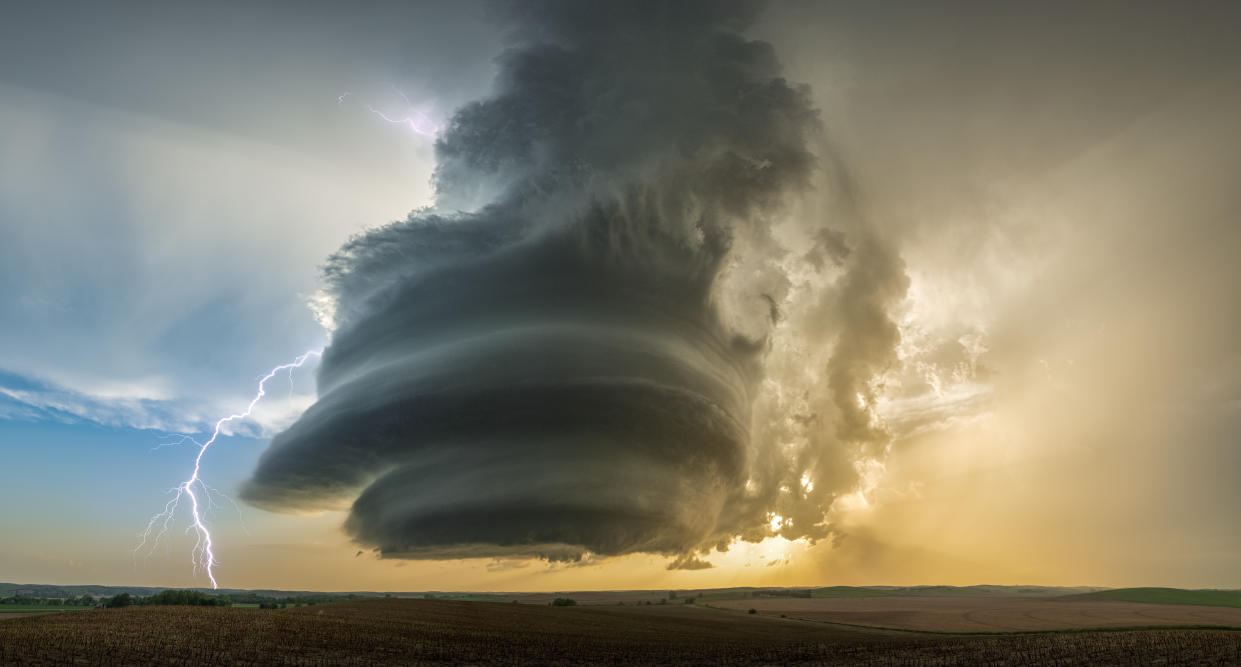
{"points": [[445, 632], [594, 597], [982, 614], [627, 597], [8, 615]]}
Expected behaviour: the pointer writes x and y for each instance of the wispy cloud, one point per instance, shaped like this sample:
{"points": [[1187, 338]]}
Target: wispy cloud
{"points": [[141, 405]]}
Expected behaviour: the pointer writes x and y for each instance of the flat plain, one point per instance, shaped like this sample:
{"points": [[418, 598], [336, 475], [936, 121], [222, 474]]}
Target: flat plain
{"points": [[989, 614], [411, 631]]}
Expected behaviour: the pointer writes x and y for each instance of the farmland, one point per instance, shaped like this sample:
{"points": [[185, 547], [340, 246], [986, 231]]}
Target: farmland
{"points": [[405, 631], [989, 614]]}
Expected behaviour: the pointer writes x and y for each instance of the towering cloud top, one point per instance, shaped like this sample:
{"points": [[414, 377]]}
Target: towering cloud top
{"points": [[558, 366]]}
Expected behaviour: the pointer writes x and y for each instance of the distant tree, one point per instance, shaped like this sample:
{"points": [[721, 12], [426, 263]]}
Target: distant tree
{"points": [[120, 600], [752, 611], [689, 600], [564, 602], [672, 595]]}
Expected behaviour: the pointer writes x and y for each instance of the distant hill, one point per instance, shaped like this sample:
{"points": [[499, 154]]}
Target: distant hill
{"points": [[1161, 595], [57, 591], [985, 590], [990, 591], [1207, 597]]}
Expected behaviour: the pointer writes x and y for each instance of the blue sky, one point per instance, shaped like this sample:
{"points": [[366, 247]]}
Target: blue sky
{"points": [[169, 185]]}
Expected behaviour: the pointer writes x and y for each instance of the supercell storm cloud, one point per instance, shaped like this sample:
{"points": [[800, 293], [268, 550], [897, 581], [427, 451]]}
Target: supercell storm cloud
{"points": [[563, 356]]}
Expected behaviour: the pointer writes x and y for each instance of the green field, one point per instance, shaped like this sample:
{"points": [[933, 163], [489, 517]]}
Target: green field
{"points": [[28, 608], [1210, 598]]}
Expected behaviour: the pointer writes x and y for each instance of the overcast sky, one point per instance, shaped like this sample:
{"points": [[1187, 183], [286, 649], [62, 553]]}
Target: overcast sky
{"points": [[1037, 312]]}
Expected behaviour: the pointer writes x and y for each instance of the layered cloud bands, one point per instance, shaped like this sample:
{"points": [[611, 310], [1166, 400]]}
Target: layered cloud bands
{"points": [[552, 372], [546, 393]]}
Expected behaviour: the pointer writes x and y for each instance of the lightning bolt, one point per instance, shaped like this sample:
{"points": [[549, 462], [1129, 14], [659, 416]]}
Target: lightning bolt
{"points": [[203, 555], [414, 119], [421, 125]]}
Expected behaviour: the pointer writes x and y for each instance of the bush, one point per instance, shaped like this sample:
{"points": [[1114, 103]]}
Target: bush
{"points": [[689, 600], [564, 602], [121, 600], [752, 611]]}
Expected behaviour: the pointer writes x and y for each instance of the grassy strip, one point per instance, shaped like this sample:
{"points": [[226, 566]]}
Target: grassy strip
{"points": [[1009, 633], [1209, 598], [996, 633], [27, 608]]}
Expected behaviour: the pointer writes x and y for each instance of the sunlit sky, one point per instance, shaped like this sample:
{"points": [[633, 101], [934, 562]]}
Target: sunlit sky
{"points": [[1063, 404]]}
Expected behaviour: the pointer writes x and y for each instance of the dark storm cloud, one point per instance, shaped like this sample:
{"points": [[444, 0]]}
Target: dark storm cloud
{"points": [[689, 562], [551, 373]]}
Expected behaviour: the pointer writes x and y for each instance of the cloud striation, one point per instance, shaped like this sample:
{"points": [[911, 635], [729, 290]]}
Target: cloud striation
{"points": [[563, 356]]}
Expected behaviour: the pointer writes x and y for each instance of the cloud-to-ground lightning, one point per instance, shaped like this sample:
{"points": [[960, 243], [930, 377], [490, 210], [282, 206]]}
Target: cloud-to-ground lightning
{"points": [[203, 554]]}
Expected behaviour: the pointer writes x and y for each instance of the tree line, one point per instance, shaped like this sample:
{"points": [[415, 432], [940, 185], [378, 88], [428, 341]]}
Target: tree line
{"points": [[81, 601], [178, 597]]}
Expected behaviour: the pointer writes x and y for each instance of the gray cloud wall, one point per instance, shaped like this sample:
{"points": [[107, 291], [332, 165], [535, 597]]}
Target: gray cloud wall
{"points": [[551, 374]]}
